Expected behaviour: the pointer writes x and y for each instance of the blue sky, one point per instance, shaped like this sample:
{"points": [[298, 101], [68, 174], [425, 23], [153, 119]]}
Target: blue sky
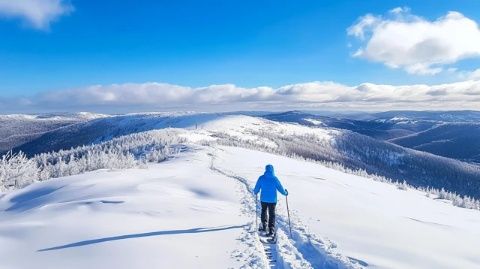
{"points": [[200, 43]]}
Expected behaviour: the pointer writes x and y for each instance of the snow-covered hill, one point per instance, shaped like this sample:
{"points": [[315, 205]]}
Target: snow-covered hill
{"points": [[454, 140], [177, 214], [195, 211], [105, 128], [18, 129], [381, 128], [348, 149], [452, 134], [372, 223]]}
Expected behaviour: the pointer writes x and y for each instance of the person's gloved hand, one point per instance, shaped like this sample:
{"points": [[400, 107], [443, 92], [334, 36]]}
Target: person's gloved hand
{"points": [[286, 192]]}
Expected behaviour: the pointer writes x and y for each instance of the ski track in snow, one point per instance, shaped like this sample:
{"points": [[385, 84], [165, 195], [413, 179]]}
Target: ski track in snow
{"points": [[303, 250]]}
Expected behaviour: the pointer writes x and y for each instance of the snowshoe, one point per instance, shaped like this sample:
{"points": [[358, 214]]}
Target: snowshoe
{"points": [[272, 238], [268, 238]]}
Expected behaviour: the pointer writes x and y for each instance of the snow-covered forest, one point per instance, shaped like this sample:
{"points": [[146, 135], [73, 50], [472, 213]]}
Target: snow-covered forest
{"points": [[17, 170]]}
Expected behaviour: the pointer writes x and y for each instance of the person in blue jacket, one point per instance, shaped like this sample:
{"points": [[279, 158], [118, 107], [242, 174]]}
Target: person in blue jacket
{"points": [[268, 184]]}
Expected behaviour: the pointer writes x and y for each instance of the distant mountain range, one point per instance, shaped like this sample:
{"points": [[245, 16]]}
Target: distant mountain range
{"points": [[453, 134]]}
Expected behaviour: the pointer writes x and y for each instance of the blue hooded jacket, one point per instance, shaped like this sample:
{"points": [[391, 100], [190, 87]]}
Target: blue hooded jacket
{"points": [[268, 183]]}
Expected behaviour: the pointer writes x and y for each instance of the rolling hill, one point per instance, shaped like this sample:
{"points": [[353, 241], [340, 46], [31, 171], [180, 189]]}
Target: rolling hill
{"points": [[330, 145], [454, 140], [16, 130]]}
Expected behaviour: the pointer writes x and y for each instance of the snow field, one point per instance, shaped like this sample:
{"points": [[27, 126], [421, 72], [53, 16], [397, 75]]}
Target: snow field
{"points": [[177, 214], [368, 222]]}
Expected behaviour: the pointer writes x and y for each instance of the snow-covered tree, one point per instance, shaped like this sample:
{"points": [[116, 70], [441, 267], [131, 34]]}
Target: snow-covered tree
{"points": [[16, 170]]}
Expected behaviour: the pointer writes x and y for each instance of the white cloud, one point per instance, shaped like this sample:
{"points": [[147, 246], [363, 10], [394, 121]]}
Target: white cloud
{"points": [[38, 13], [365, 22], [157, 94], [475, 74], [415, 44], [400, 10], [134, 97]]}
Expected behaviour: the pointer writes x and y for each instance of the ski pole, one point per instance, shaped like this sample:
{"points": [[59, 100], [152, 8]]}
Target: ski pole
{"points": [[288, 212], [256, 213]]}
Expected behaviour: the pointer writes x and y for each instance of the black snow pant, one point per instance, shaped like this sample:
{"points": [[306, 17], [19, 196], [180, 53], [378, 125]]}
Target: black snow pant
{"points": [[271, 215]]}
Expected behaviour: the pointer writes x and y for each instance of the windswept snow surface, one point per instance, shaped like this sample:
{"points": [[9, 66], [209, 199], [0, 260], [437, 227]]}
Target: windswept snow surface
{"points": [[371, 223], [249, 129], [177, 214]]}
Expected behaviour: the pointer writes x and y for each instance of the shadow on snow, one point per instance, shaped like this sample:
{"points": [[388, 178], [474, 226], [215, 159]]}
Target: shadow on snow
{"points": [[30, 199], [140, 235]]}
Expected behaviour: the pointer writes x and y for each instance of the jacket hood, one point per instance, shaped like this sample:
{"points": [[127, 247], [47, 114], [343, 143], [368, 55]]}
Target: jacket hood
{"points": [[269, 169]]}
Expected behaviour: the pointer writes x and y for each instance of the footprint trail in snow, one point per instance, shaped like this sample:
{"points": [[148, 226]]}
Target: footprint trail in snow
{"points": [[302, 251]]}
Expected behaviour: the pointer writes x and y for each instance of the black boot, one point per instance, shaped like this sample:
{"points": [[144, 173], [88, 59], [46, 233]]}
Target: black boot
{"points": [[262, 227], [271, 232]]}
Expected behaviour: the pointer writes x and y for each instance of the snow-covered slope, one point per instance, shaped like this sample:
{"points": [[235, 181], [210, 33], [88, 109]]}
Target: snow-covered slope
{"points": [[18, 129], [454, 140], [195, 211], [105, 128], [178, 214], [371, 222], [450, 134]]}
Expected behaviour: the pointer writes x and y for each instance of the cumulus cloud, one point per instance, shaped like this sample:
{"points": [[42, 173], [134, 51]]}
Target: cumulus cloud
{"points": [[415, 44], [38, 13], [135, 97]]}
